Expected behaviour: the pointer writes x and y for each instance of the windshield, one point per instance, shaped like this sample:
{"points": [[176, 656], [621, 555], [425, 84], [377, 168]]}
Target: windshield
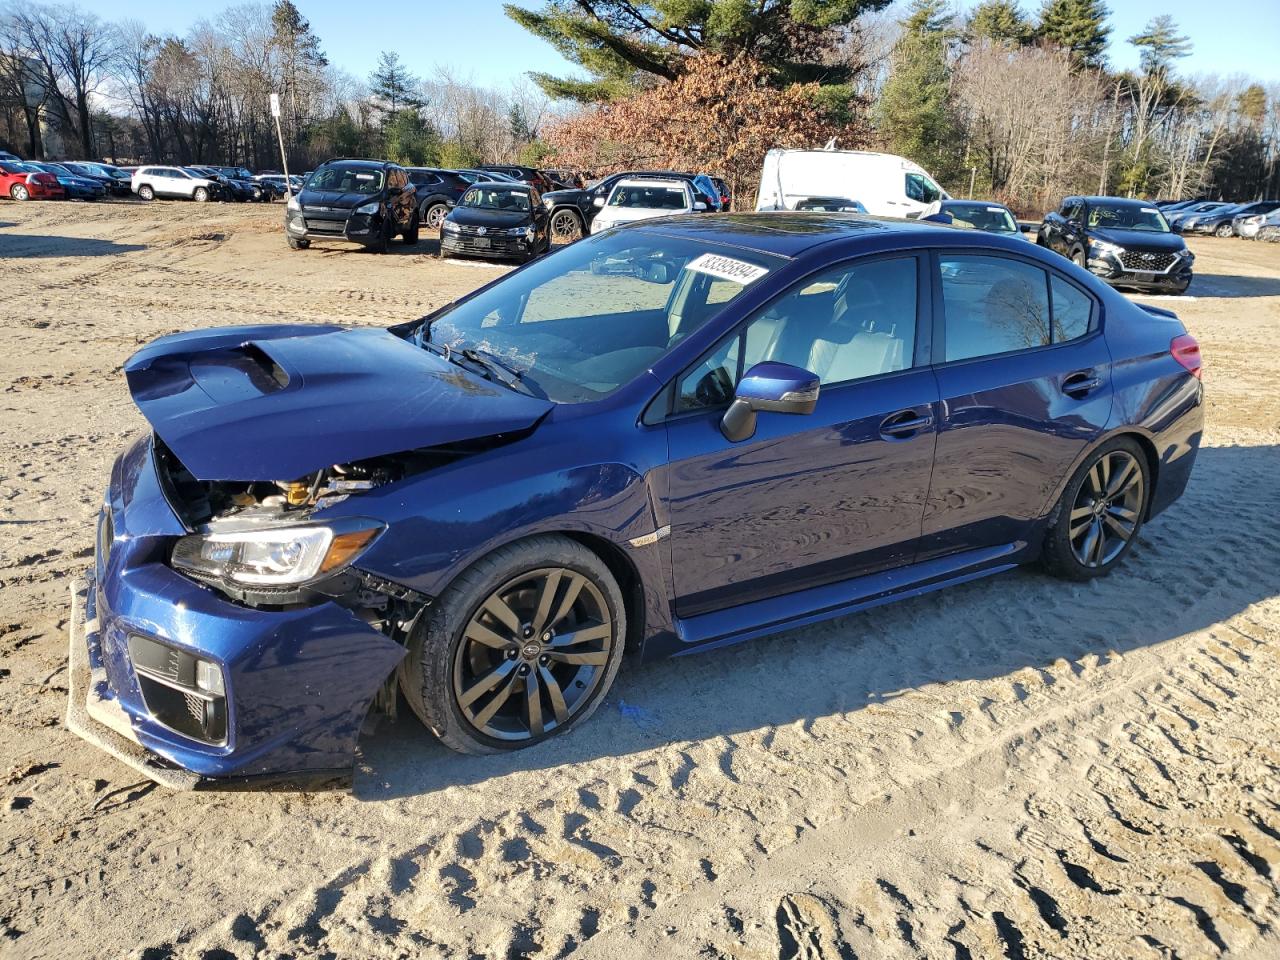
{"points": [[481, 198], [597, 314], [640, 196], [981, 216], [344, 178], [1125, 217]]}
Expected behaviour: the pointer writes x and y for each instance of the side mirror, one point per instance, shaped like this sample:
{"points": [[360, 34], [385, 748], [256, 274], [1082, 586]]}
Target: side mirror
{"points": [[393, 191], [699, 205], [598, 202], [1026, 226], [768, 387]]}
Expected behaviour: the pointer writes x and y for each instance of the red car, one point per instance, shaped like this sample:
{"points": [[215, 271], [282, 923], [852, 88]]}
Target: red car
{"points": [[21, 182]]}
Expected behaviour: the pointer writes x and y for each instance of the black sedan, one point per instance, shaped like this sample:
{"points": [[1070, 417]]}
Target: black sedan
{"points": [[1127, 243], [504, 221]]}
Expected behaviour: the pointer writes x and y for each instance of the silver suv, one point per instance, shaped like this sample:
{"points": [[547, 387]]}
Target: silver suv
{"points": [[152, 182]]}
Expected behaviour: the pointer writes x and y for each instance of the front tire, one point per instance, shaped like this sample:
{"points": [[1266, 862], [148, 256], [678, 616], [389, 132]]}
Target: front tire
{"points": [[296, 243], [19, 191], [146, 193], [566, 227], [201, 195], [1100, 514], [522, 646]]}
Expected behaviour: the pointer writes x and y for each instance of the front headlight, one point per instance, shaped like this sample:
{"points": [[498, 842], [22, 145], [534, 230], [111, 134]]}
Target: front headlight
{"points": [[369, 208], [450, 227], [1101, 248], [284, 556], [520, 232], [293, 203]]}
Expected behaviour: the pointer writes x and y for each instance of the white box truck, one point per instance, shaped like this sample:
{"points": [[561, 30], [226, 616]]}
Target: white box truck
{"points": [[887, 185]]}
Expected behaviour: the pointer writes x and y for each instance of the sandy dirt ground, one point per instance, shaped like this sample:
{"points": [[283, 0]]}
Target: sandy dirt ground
{"points": [[1014, 768]]}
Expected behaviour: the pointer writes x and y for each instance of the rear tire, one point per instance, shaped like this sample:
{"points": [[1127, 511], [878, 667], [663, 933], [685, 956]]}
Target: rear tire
{"points": [[566, 227], [1100, 514], [19, 191], [460, 644], [434, 215], [1224, 230], [297, 243]]}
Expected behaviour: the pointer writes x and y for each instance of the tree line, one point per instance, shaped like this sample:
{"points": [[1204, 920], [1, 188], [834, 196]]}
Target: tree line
{"points": [[73, 85], [1001, 102]]}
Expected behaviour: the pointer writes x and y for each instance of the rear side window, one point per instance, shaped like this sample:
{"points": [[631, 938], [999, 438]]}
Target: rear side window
{"points": [[993, 305]]}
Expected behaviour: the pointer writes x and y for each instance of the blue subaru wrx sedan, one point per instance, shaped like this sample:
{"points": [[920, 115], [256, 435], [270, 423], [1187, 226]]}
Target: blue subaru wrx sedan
{"points": [[668, 437]]}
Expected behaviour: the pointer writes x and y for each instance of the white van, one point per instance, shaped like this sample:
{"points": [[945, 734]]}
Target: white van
{"points": [[887, 185]]}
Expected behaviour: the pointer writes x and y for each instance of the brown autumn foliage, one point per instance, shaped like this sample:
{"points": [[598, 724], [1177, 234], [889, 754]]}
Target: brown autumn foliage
{"points": [[718, 117]]}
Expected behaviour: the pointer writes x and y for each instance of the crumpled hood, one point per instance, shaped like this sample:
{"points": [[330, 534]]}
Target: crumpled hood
{"points": [[280, 402], [1139, 239]]}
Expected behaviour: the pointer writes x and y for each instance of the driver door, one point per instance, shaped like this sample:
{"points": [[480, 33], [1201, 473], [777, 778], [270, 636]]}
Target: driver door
{"points": [[811, 499]]}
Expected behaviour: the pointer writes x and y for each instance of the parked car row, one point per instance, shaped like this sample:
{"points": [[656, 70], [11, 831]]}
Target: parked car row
{"points": [[1218, 218]]}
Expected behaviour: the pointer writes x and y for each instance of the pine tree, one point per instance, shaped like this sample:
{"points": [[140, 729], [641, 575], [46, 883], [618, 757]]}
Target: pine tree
{"points": [[1159, 45], [1079, 26], [914, 113], [623, 45], [392, 86], [1001, 21]]}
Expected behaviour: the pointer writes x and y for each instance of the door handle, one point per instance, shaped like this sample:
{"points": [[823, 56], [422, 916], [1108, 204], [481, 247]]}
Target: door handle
{"points": [[1081, 384], [904, 423]]}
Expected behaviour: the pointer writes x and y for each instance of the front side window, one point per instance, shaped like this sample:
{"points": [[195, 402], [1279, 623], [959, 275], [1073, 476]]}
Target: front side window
{"points": [[599, 313], [847, 323], [921, 188], [993, 305]]}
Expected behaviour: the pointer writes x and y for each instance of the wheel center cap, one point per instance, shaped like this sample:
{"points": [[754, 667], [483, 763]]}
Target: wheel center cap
{"points": [[1099, 508], [530, 651]]}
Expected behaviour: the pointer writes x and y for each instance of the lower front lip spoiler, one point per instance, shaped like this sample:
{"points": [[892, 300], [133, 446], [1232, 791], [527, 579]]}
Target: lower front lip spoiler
{"points": [[94, 715]]}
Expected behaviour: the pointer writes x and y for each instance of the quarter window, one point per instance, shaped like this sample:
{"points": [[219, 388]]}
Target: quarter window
{"points": [[1071, 311], [993, 305]]}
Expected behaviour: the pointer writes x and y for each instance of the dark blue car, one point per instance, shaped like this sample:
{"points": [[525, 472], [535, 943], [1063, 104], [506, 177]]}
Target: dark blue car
{"points": [[665, 438]]}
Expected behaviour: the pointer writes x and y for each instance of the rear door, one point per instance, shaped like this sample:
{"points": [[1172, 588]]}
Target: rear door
{"points": [[809, 499], [1024, 377]]}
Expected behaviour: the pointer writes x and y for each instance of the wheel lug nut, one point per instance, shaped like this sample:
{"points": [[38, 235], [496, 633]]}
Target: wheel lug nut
{"points": [[546, 637], [524, 671], [544, 659]]}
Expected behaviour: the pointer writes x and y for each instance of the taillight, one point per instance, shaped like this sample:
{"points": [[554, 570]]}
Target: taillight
{"points": [[1186, 351]]}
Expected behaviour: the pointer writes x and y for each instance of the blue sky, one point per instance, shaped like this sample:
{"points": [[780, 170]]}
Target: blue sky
{"points": [[477, 42]]}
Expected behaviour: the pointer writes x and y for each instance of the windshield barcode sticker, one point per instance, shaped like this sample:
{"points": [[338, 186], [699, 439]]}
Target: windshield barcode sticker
{"points": [[1150, 210], [726, 268]]}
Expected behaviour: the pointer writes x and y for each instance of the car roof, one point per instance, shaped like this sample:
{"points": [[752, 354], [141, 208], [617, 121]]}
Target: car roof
{"points": [[790, 234], [1116, 201], [357, 162], [647, 182], [973, 203], [503, 185]]}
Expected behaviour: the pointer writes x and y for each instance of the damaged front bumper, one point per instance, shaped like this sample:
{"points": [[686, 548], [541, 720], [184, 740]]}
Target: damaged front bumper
{"points": [[362, 228], [184, 684]]}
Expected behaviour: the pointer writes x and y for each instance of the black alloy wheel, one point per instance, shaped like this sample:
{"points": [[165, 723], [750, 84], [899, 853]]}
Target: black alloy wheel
{"points": [[566, 227], [1100, 513], [521, 647]]}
